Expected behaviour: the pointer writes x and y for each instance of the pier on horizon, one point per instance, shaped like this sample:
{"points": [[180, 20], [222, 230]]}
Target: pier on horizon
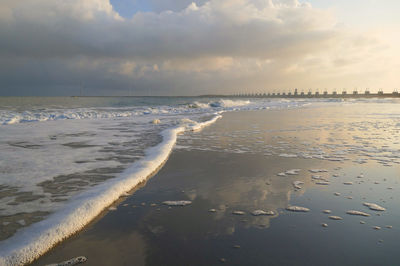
{"points": [[325, 94]]}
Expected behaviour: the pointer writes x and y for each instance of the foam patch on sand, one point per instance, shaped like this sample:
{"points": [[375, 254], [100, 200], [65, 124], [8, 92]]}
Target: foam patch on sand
{"points": [[297, 209], [293, 171], [334, 217], [359, 213], [177, 202], [262, 212], [31, 242], [238, 212], [374, 206], [318, 170], [297, 184], [71, 262]]}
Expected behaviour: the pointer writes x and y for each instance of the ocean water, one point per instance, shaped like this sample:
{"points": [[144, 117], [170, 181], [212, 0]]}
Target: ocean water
{"points": [[334, 156], [63, 160]]}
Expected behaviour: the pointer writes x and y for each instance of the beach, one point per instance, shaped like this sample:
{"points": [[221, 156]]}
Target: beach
{"points": [[199, 132], [240, 178], [64, 160]]}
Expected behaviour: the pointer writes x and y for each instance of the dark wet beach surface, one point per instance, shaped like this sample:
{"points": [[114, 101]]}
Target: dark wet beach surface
{"points": [[233, 166]]}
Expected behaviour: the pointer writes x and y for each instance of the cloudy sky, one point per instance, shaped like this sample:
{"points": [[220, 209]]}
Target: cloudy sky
{"points": [[185, 47]]}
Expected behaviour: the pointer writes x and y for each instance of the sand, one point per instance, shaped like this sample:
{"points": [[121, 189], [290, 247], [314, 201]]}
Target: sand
{"points": [[224, 170]]}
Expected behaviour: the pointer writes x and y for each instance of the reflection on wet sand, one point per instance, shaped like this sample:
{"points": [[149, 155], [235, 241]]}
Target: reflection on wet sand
{"points": [[264, 188]]}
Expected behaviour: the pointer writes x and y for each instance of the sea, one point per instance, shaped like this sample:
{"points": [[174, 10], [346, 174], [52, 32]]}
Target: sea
{"points": [[64, 160]]}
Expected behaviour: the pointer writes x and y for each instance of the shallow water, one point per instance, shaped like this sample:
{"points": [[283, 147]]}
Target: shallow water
{"points": [[63, 160], [235, 165]]}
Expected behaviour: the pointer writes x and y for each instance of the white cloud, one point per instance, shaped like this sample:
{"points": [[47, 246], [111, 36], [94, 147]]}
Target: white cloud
{"points": [[208, 46]]}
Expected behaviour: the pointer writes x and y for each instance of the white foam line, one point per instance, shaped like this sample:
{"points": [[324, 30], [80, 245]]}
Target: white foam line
{"points": [[199, 126], [33, 241]]}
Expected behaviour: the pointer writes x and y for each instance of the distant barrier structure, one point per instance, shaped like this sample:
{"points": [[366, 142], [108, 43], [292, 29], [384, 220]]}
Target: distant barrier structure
{"points": [[325, 94]]}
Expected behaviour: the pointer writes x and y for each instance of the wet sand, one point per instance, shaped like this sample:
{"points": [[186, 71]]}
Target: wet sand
{"points": [[247, 161]]}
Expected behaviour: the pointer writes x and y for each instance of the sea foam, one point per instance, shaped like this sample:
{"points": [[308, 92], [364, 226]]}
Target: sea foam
{"points": [[72, 215], [9, 117], [31, 242]]}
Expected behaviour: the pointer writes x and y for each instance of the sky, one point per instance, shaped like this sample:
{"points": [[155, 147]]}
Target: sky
{"points": [[185, 47]]}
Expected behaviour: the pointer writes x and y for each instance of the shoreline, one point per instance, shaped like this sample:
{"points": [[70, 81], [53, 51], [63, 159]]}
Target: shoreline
{"points": [[32, 242], [231, 178]]}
